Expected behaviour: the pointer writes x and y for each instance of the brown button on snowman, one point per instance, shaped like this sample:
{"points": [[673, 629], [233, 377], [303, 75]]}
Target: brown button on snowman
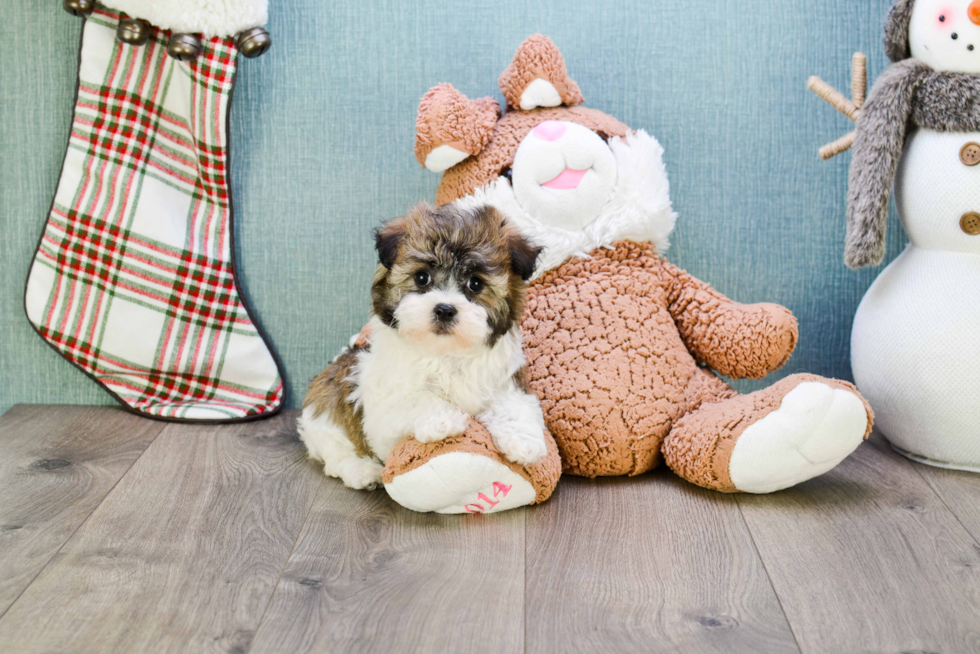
{"points": [[970, 154], [913, 347], [970, 223]]}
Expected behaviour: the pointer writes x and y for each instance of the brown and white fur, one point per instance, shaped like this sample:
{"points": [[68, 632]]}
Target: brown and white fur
{"points": [[444, 344]]}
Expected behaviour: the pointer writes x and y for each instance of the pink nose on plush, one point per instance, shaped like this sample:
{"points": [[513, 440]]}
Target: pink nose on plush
{"points": [[549, 130]]}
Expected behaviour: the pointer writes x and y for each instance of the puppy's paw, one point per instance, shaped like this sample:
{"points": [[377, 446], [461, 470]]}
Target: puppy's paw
{"points": [[440, 424], [361, 473], [522, 444]]}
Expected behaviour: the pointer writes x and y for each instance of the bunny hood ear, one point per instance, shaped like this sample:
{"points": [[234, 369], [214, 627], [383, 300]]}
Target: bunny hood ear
{"points": [[537, 77], [451, 127], [897, 30]]}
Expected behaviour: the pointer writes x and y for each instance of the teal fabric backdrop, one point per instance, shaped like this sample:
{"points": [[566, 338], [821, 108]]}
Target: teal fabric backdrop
{"points": [[322, 136]]}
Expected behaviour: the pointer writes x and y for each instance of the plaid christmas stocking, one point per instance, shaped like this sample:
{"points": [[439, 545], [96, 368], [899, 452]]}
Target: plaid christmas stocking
{"points": [[133, 280]]}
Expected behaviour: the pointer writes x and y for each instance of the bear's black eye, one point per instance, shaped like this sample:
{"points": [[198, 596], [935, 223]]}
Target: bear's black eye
{"points": [[475, 285], [422, 279], [508, 173]]}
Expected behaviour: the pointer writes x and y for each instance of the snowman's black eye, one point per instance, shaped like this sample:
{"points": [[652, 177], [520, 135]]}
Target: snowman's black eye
{"points": [[955, 36], [942, 19]]}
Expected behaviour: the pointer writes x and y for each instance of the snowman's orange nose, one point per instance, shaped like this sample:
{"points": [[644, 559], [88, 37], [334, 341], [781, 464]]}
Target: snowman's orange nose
{"points": [[973, 11]]}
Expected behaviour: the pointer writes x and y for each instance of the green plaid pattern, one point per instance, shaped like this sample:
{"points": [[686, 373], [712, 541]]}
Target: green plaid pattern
{"points": [[133, 280]]}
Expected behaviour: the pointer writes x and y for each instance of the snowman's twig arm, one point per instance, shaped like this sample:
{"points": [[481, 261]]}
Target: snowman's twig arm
{"points": [[850, 108], [743, 341], [881, 131]]}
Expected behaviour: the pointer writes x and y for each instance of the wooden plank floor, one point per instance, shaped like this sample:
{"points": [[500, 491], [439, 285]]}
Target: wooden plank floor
{"points": [[121, 534]]}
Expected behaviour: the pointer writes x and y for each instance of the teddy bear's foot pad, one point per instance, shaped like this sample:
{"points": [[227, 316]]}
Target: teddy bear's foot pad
{"points": [[815, 428], [461, 482]]}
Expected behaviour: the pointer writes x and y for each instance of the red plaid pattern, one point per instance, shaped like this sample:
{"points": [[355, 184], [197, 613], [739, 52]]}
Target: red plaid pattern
{"points": [[133, 280]]}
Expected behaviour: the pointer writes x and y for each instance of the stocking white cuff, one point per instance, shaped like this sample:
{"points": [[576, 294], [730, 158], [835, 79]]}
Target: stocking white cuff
{"points": [[211, 17]]}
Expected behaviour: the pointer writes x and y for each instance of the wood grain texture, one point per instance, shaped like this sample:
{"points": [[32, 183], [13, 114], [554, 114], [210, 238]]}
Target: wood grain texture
{"points": [[650, 564], [183, 554], [959, 491], [370, 576], [868, 558], [57, 463], [227, 539]]}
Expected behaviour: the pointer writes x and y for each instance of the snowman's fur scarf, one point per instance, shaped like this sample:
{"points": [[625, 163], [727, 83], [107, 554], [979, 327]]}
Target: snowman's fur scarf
{"points": [[908, 94], [209, 17], [639, 208]]}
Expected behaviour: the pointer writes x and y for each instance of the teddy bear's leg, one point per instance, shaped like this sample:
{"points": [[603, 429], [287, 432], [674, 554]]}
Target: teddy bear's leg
{"points": [[467, 474], [795, 430]]}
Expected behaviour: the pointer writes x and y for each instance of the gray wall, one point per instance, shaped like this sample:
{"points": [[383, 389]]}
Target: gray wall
{"points": [[322, 136]]}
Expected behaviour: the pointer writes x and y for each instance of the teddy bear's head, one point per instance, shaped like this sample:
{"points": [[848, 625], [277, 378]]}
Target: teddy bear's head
{"points": [[571, 178]]}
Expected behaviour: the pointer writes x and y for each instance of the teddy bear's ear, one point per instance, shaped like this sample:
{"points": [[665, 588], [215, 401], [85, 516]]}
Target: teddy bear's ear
{"points": [[537, 77], [451, 127]]}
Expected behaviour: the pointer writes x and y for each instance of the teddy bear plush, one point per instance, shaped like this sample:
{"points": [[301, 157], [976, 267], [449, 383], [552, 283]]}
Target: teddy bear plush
{"points": [[623, 348]]}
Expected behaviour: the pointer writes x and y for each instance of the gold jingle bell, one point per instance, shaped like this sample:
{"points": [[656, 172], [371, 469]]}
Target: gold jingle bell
{"points": [[79, 7], [184, 47], [254, 42], [133, 31]]}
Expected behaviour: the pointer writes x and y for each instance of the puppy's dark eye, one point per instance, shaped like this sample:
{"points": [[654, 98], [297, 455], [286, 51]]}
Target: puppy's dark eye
{"points": [[422, 279], [475, 285]]}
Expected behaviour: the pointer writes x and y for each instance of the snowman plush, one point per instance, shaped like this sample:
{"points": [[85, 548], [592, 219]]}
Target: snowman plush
{"points": [[914, 348]]}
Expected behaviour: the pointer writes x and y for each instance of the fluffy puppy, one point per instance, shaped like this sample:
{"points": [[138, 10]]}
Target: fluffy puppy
{"points": [[443, 344]]}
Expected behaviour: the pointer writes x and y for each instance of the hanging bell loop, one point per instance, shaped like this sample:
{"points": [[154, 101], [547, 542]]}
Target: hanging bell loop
{"points": [[79, 7], [133, 31], [254, 42], [184, 47]]}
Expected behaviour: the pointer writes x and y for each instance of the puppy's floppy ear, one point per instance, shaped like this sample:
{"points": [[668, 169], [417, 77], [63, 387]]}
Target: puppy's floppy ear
{"points": [[523, 255], [387, 240]]}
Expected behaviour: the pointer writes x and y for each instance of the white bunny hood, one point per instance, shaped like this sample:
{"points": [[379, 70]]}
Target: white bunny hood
{"points": [[639, 208]]}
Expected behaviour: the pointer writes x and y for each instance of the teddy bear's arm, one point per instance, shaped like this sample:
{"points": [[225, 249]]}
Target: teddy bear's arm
{"points": [[738, 340]]}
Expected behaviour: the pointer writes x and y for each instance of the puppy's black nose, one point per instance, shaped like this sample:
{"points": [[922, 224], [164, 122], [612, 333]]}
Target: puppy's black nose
{"points": [[445, 312]]}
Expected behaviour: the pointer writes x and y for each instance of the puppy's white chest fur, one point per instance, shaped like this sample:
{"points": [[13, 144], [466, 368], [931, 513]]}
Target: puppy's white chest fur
{"points": [[396, 379]]}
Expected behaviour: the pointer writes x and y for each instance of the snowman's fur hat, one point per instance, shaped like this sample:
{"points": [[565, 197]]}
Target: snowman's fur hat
{"points": [[897, 30]]}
